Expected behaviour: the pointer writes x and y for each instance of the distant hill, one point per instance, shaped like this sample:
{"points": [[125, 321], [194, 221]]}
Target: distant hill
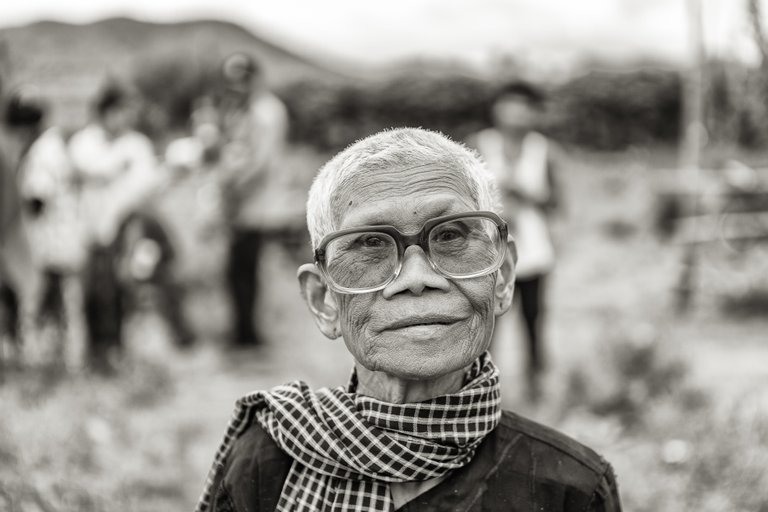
{"points": [[69, 62]]}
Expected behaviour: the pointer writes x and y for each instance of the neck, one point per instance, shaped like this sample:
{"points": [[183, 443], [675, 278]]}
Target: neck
{"points": [[29, 138], [112, 132], [515, 133], [395, 390]]}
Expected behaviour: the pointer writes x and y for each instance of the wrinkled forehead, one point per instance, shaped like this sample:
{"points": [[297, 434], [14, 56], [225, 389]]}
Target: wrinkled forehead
{"points": [[374, 183]]}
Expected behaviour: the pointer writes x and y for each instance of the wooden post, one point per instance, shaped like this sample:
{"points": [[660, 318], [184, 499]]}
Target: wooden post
{"points": [[693, 135], [694, 131]]}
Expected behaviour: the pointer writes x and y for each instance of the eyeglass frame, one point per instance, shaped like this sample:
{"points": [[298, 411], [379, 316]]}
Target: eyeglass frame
{"points": [[403, 241]]}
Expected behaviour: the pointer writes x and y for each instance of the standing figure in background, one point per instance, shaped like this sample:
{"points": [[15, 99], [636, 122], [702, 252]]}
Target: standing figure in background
{"points": [[44, 175], [254, 127], [19, 277], [523, 162], [117, 170]]}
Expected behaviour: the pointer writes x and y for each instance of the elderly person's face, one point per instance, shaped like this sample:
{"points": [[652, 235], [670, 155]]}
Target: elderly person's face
{"points": [[422, 325]]}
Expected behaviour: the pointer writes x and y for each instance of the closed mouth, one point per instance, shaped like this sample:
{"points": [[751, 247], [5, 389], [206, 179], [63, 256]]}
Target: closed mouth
{"points": [[422, 321]]}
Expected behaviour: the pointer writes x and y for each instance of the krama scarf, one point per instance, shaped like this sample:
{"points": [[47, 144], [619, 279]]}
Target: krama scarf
{"points": [[347, 448]]}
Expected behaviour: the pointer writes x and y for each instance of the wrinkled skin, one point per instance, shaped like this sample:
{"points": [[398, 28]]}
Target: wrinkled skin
{"points": [[415, 338]]}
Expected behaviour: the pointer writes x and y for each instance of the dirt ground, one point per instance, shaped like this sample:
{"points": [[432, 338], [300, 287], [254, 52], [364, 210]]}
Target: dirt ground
{"points": [[677, 402]]}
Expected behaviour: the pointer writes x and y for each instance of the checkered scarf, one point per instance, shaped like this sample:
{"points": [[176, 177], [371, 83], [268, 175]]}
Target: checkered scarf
{"points": [[347, 448]]}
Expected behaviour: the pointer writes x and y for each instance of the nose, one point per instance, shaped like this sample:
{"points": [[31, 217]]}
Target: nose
{"points": [[416, 275]]}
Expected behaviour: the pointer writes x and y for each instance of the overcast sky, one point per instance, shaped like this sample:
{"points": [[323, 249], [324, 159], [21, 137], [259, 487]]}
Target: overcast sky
{"points": [[547, 33]]}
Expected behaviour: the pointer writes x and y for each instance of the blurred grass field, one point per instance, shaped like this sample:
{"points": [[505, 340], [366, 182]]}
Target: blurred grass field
{"points": [[679, 404]]}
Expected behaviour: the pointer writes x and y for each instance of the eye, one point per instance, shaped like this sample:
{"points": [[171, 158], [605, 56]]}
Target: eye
{"points": [[451, 232], [446, 235], [372, 241]]}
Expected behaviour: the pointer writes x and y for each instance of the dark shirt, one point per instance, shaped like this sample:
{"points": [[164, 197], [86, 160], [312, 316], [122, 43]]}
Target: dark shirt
{"points": [[520, 466]]}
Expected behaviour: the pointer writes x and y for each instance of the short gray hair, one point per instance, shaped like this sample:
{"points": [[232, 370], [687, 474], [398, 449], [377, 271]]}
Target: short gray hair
{"points": [[401, 147]]}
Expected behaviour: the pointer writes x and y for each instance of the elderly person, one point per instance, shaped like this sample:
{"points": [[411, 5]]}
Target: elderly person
{"points": [[411, 268]]}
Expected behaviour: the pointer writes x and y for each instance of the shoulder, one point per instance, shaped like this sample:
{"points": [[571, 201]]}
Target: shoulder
{"points": [[553, 148], [87, 135], [558, 466], [269, 107], [254, 472], [484, 138], [254, 446], [87, 146], [273, 102], [52, 135], [537, 140], [135, 139], [551, 443]]}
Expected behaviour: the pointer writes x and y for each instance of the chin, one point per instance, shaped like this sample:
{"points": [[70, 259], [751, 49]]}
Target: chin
{"points": [[422, 362], [420, 370]]}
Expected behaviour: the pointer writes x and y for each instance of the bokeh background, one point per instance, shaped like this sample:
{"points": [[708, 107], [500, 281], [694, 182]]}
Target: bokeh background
{"points": [[657, 328]]}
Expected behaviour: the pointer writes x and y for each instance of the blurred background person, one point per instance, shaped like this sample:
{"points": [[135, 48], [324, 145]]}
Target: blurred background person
{"points": [[147, 258], [117, 170], [192, 160], [200, 148], [44, 176], [19, 279], [524, 163], [254, 127]]}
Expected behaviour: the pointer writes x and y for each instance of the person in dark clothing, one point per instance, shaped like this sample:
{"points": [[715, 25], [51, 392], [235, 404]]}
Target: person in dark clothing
{"points": [[530, 296], [243, 282], [9, 309], [567, 475], [412, 267], [103, 309]]}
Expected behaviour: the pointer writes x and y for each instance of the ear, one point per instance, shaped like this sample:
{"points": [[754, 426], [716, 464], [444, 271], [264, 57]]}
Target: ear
{"points": [[319, 299], [505, 283]]}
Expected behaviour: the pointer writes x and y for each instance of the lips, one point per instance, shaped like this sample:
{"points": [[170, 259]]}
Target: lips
{"points": [[428, 319]]}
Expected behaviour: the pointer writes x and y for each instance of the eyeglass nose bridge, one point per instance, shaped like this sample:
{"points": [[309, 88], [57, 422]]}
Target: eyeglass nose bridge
{"points": [[404, 241]]}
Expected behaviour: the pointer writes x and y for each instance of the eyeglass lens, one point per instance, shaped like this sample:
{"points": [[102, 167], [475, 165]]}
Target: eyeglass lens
{"points": [[460, 247]]}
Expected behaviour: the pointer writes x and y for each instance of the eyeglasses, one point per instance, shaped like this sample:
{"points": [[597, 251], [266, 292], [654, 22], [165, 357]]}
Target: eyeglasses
{"points": [[368, 258]]}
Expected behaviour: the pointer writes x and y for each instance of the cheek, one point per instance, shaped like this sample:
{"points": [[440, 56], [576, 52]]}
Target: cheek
{"points": [[479, 293], [355, 314], [480, 296]]}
